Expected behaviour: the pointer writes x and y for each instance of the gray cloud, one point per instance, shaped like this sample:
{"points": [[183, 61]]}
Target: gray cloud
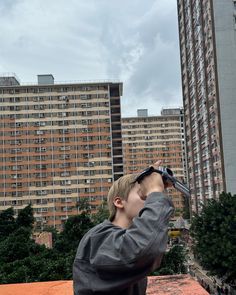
{"points": [[134, 41]]}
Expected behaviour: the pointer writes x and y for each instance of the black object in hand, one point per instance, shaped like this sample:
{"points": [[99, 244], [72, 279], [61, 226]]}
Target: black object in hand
{"points": [[167, 177]]}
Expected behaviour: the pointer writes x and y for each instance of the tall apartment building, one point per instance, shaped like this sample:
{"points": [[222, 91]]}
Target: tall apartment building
{"points": [[147, 139], [207, 34], [59, 143]]}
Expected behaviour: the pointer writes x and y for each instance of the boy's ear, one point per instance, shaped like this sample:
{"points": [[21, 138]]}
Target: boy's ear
{"points": [[118, 202]]}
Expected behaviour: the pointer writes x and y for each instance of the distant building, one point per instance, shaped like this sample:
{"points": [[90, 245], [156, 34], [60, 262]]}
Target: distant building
{"points": [[7, 80], [44, 238], [59, 143], [149, 138], [207, 34], [142, 112]]}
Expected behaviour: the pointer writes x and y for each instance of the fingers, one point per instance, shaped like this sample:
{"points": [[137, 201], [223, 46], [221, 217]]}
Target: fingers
{"points": [[152, 183], [157, 164]]}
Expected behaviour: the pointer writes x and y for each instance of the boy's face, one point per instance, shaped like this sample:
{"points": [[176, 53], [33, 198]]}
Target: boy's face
{"points": [[134, 203]]}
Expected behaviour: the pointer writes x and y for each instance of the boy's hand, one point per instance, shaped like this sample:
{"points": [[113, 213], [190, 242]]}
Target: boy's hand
{"points": [[153, 182]]}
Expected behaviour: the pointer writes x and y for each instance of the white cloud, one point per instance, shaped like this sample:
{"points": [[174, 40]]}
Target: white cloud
{"points": [[134, 41]]}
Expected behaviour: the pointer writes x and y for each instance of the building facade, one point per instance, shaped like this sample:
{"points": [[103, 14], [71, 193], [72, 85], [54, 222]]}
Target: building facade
{"points": [[60, 143], [207, 34], [147, 139]]}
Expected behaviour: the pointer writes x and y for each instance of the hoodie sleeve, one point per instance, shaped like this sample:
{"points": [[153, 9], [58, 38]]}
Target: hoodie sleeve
{"points": [[138, 248]]}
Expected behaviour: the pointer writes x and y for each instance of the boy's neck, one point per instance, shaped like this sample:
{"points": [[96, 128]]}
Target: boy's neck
{"points": [[121, 221]]}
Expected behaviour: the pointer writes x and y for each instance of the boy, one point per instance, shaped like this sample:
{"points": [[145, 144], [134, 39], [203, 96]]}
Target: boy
{"points": [[116, 256]]}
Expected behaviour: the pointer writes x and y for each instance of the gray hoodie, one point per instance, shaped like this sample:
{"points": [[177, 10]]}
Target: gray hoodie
{"points": [[113, 260]]}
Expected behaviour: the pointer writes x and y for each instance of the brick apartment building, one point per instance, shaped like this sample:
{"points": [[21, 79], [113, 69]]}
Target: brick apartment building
{"points": [[207, 35], [148, 138], [60, 143]]}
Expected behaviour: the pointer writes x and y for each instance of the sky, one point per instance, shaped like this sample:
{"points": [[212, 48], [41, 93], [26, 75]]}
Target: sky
{"points": [[133, 41]]}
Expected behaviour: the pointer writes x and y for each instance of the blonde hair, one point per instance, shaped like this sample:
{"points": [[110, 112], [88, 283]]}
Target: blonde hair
{"points": [[120, 188]]}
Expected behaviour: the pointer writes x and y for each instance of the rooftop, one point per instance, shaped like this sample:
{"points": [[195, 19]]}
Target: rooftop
{"points": [[162, 285], [11, 80]]}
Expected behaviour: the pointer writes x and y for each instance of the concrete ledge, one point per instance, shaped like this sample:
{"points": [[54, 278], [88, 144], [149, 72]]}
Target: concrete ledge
{"points": [[162, 285], [174, 285]]}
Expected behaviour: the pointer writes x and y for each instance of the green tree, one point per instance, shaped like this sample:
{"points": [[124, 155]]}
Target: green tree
{"points": [[101, 214], [214, 235], [40, 264], [186, 211], [15, 246], [25, 217], [18, 251], [22, 260], [7, 223], [173, 262], [73, 231], [83, 205]]}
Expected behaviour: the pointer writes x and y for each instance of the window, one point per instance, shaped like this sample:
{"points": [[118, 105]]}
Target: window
{"points": [[15, 168], [63, 174], [37, 124], [89, 190], [16, 194], [66, 182], [64, 165], [64, 114], [39, 132], [41, 166], [65, 156], [64, 148], [37, 98], [65, 139], [14, 99], [66, 191], [89, 180], [40, 201], [41, 183], [63, 123], [89, 164], [15, 108], [39, 107], [40, 140], [41, 175], [16, 150], [41, 193], [63, 131], [16, 124], [15, 176], [17, 141], [15, 159], [40, 158], [63, 106], [15, 133], [15, 185], [63, 97], [85, 96], [40, 149]]}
